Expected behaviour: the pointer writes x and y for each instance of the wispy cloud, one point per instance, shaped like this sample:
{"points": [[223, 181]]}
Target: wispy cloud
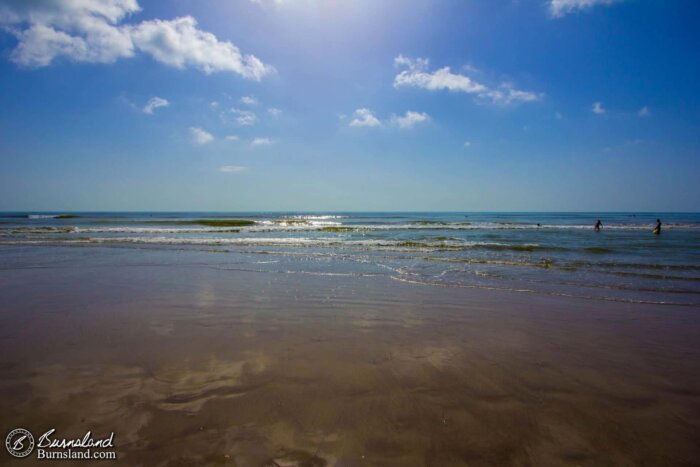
{"points": [[245, 117], [506, 94], [559, 8], [153, 103], [200, 136], [409, 119], [416, 74], [93, 32], [232, 169], [231, 138], [249, 100], [274, 112], [644, 112], [597, 108], [467, 144], [261, 142], [364, 117], [276, 3]]}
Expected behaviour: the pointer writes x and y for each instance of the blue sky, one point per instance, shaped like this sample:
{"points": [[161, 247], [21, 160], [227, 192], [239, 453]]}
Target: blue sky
{"points": [[584, 105]]}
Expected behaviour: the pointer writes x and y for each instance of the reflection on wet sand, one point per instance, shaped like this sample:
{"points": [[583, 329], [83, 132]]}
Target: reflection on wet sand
{"points": [[194, 366]]}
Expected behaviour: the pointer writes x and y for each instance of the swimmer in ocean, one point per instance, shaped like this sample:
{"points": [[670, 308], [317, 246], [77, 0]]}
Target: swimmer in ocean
{"points": [[657, 229], [598, 225]]}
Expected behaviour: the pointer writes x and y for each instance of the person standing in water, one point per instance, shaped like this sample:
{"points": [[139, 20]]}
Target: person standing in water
{"points": [[598, 225], [657, 229]]}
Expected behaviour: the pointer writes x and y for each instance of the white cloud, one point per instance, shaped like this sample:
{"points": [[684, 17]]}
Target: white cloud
{"points": [[214, 105], [364, 117], [200, 136], [467, 144], [559, 8], [249, 100], [231, 169], [180, 43], [245, 117], [597, 108], [409, 119], [274, 112], [153, 103], [261, 141], [92, 31], [232, 138], [83, 31], [644, 112], [416, 74]]}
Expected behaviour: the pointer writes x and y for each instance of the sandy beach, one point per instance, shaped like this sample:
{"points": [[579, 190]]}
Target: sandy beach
{"points": [[190, 364]]}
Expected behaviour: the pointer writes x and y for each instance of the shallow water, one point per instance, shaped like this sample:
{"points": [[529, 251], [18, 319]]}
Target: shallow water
{"points": [[543, 253]]}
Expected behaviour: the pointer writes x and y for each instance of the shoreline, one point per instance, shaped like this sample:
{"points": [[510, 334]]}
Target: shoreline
{"points": [[130, 249]]}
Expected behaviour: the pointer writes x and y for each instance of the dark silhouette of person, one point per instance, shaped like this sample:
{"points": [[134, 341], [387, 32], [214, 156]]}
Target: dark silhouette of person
{"points": [[598, 225], [657, 229]]}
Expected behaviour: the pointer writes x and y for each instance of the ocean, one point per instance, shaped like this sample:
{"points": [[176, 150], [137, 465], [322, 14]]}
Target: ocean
{"points": [[537, 253]]}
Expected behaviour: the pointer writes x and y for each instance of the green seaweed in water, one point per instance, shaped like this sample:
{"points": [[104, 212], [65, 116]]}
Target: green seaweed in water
{"points": [[429, 223], [207, 222], [337, 229], [223, 222]]}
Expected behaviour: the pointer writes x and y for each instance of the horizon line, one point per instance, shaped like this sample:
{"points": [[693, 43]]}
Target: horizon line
{"points": [[58, 211]]}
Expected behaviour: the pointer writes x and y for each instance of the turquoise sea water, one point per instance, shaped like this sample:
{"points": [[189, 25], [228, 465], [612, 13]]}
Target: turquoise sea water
{"points": [[542, 253]]}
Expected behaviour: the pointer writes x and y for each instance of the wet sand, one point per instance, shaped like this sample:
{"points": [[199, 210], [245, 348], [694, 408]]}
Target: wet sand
{"points": [[194, 365]]}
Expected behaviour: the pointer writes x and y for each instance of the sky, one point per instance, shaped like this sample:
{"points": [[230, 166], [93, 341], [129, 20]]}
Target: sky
{"points": [[349, 105]]}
